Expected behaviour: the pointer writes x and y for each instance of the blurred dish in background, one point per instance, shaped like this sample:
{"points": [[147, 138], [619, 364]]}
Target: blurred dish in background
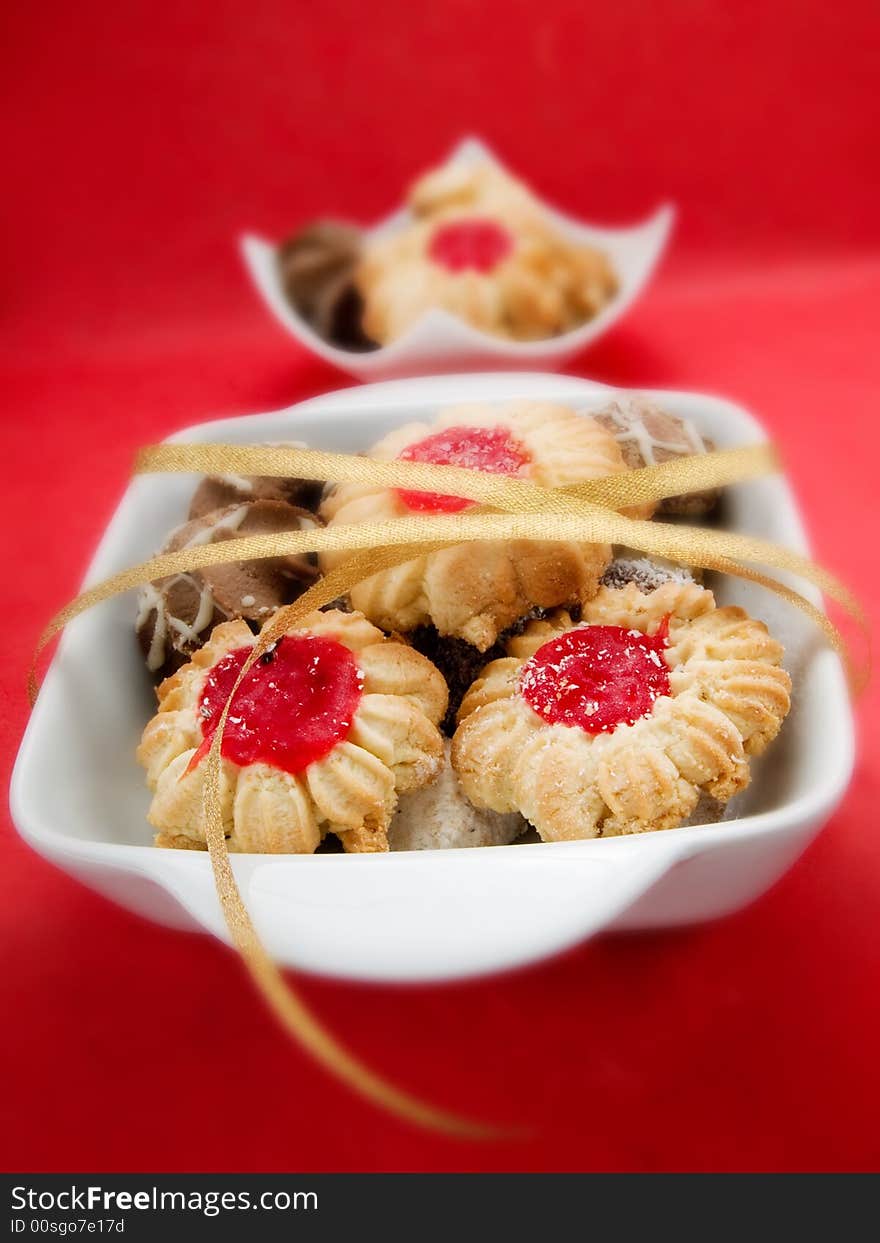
{"points": [[480, 246], [475, 269]]}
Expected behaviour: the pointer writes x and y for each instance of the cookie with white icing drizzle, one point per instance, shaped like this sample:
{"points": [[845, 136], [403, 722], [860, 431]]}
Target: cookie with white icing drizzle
{"points": [[217, 491], [647, 436], [176, 614]]}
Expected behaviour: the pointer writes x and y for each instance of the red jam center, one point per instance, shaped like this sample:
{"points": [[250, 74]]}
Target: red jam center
{"points": [[292, 707], [490, 449], [470, 244], [597, 677]]}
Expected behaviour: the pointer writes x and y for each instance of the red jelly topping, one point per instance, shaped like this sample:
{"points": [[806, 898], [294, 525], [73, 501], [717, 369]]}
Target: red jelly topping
{"points": [[475, 244], [490, 449], [597, 677], [292, 707]]}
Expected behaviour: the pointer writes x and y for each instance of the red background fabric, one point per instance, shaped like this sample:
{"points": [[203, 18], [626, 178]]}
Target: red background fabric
{"points": [[140, 140]]}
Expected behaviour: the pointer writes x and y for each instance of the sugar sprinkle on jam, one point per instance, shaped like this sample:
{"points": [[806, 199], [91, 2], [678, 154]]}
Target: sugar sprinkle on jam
{"points": [[293, 706], [597, 677], [493, 450]]}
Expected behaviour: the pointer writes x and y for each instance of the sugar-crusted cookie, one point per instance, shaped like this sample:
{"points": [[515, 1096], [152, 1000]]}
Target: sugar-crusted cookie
{"points": [[439, 816], [648, 573]]}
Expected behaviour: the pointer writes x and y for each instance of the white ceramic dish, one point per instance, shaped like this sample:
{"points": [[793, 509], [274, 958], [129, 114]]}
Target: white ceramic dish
{"points": [[78, 796], [443, 342]]}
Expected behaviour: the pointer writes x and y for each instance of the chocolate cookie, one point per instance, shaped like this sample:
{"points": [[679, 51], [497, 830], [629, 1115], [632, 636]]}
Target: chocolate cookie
{"points": [[317, 271], [218, 491], [176, 614], [460, 662]]}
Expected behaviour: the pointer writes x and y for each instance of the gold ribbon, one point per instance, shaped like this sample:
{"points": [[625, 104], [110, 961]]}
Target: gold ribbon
{"points": [[587, 513], [626, 488]]}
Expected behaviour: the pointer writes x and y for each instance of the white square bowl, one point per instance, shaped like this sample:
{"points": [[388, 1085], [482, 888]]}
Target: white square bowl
{"points": [[439, 341], [78, 795]]}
